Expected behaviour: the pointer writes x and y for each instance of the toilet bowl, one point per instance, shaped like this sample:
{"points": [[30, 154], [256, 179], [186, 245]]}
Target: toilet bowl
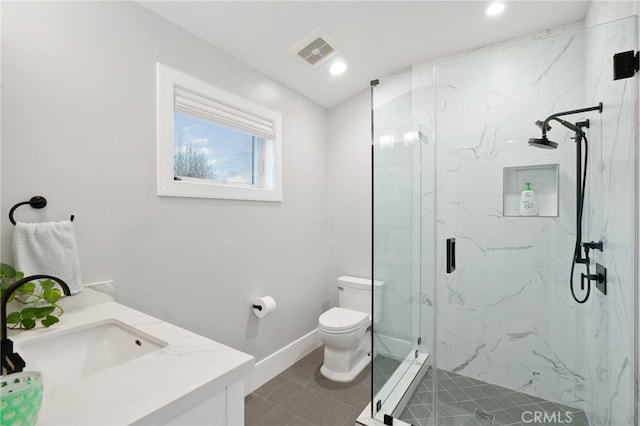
{"points": [[347, 343], [346, 331]]}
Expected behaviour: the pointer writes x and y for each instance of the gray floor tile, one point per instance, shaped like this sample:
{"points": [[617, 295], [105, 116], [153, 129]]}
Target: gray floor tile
{"points": [[302, 372], [487, 404], [415, 400], [470, 406], [260, 412], [505, 404], [356, 394], [501, 417], [313, 406], [317, 356], [456, 410], [444, 396], [302, 396], [503, 401], [426, 397], [475, 392], [419, 411], [447, 384], [517, 412], [462, 382], [459, 395], [271, 385], [522, 398], [298, 421]]}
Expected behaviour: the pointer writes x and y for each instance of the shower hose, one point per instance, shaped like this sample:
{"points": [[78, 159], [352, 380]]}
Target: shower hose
{"points": [[576, 252]]}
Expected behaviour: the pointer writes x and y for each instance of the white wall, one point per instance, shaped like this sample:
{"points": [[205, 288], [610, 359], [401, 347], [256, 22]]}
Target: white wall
{"points": [[79, 90], [349, 174]]}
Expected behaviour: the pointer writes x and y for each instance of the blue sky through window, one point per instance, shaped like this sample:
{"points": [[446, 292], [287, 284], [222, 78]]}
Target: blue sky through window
{"points": [[225, 154]]}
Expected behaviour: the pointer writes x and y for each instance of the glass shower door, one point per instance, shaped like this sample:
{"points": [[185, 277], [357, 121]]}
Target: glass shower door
{"points": [[398, 139]]}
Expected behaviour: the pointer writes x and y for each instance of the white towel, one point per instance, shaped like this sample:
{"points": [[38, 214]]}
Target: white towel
{"points": [[48, 248]]}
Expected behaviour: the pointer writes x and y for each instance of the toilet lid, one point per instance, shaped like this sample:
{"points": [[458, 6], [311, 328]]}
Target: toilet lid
{"points": [[340, 320]]}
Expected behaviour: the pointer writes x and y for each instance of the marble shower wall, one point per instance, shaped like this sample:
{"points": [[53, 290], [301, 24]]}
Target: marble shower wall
{"points": [[505, 315], [609, 369]]}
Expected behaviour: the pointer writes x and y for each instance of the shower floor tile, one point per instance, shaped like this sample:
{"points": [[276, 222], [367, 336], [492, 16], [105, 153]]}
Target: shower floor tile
{"points": [[462, 401]]}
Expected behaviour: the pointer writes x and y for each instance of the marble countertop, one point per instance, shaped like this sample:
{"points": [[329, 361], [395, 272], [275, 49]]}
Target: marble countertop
{"points": [[157, 386]]}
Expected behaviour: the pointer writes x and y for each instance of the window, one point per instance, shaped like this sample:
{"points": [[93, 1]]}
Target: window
{"points": [[214, 144]]}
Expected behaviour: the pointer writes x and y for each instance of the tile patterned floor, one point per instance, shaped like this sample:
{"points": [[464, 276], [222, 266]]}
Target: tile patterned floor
{"points": [[302, 396], [462, 400]]}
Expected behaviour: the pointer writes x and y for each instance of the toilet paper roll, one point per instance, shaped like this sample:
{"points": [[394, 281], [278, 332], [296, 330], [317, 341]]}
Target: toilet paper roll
{"points": [[264, 306]]}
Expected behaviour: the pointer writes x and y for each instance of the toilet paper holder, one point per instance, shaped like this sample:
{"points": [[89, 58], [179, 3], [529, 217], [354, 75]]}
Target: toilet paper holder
{"points": [[263, 306]]}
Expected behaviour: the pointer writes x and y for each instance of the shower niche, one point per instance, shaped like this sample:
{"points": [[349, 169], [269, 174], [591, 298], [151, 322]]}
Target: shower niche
{"points": [[544, 181]]}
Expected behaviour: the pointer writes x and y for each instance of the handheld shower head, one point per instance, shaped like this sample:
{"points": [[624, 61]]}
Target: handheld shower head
{"points": [[543, 143], [575, 127]]}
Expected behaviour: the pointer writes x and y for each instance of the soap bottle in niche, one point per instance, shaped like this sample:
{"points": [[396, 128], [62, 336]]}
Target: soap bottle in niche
{"points": [[528, 202]]}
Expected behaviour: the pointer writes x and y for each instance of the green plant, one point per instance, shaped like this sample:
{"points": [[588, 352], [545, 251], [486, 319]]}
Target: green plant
{"points": [[40, 301]]}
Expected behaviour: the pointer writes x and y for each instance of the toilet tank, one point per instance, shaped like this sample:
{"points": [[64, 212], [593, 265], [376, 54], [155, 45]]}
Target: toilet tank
{"points": [[355, 293]]}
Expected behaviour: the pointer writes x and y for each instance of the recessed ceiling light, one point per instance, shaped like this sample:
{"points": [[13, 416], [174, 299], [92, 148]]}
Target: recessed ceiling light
{"points": [[495, 8], [337, 68]]}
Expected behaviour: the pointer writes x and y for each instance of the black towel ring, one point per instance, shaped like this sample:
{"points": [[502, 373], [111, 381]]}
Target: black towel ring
{"points": [[36, 202]]}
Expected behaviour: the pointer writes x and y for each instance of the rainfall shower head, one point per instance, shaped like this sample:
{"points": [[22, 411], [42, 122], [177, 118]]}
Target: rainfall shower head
{"points": [[543, 143]]}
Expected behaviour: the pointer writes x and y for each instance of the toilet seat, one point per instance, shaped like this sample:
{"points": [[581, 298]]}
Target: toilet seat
{"points": [[340, 320]]}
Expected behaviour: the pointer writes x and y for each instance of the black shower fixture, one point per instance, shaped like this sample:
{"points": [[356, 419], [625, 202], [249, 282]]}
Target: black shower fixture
{"points": [[545, 143], [625, 64], [581, 183]]}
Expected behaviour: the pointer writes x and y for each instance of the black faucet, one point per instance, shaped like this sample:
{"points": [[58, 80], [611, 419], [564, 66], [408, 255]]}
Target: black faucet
{"points": [[12, 362]]}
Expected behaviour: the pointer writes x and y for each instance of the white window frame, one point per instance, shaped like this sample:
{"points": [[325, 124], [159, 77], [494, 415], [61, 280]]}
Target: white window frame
{"points": [[169, 81]]}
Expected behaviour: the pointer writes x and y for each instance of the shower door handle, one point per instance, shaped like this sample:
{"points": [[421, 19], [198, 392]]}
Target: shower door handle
{"points": [[451, 255]]}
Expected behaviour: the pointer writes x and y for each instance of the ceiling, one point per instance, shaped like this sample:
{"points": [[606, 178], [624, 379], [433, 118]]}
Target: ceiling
{"points": [[375, 38]]}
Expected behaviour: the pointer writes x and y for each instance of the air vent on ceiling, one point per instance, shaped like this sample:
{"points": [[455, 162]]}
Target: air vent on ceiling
{"points": [[316, 51], [314, 48]]}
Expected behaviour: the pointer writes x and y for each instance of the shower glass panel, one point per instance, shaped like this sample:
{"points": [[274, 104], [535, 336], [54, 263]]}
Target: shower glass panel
{"points": [[398, 139], [503, 338]]}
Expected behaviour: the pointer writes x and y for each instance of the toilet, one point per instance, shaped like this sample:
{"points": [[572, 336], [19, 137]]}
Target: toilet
{"points": [[346, 331]]}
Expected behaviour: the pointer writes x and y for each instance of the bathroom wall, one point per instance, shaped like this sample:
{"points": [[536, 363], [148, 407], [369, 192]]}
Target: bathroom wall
{"points": [[349, 190], [79, 127]]}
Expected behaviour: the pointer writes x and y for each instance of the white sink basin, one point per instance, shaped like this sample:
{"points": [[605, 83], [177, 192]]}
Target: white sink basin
{"points": [[79, 352]]}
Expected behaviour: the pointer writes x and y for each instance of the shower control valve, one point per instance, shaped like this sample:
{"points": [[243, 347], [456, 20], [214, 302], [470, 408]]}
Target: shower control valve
{"points": [[600, 277]]}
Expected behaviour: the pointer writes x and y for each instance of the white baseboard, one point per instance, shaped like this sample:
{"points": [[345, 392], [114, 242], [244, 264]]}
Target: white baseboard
{"points": [[269, 367]]}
